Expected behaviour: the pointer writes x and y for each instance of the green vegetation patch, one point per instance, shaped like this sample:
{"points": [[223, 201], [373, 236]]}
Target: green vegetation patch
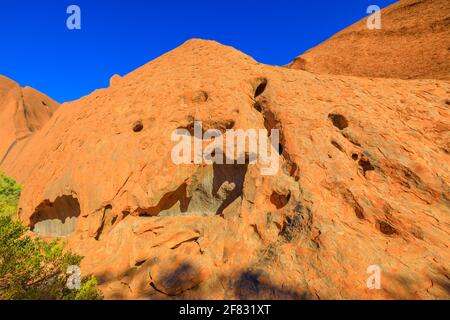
{"points": [[31, 268], [9, 196]]}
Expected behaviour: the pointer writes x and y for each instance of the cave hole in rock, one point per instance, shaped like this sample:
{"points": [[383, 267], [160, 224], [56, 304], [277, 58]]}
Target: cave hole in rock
{"points": [[386, 228], [261, 87], [56, 219], [228, 184], [338, 120], [355, 156], [212, 190], [366, 165], [280, 200], [138, 126]]}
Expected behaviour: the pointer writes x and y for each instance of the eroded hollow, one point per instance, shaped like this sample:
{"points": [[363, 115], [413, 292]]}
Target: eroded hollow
{"points": [[271, 122], [258, 107], [359, 212], [138, 126], [366, 166], [338, 120], [261, 87], [280, 200], [385, 228], [212, 190], [171, 203], [228, 184], [56, 219]]}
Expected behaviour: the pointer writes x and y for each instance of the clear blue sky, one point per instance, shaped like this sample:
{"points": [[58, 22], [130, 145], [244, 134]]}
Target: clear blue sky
{"points": [[118, 36]]}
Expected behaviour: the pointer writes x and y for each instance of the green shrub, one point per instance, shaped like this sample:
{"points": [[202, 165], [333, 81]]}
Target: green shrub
{"points": [[9, 195], [34, 269], [87, 291], [31, 268]]}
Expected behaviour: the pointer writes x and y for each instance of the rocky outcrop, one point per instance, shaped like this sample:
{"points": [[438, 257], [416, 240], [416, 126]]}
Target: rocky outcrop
{"points": [[413, 43], [23, 111], [363, 180]]}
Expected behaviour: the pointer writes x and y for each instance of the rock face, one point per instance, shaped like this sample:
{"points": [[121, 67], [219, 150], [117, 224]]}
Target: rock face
{"points": [[413, 43], [364, 180], [23, 111]]}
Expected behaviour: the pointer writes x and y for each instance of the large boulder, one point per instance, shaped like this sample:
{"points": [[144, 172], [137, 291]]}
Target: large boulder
{"points": [[413, 43], [23, 111], [363, 180]]}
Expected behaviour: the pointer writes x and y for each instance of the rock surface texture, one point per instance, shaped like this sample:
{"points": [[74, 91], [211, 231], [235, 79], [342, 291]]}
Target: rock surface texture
{"points": [[364, 173], [413, 43], [23, 111], [364, 180]]}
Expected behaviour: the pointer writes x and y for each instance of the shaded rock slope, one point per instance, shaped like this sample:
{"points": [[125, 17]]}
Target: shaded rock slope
{"points": [[23, 111], [413, 43], [364, 180]]}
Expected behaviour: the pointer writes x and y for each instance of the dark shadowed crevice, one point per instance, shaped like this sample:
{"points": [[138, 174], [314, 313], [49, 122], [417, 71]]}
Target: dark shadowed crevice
{"points": [[211, 190], [168, 202], [366, 165], [280, 200], [261, 87], [109, 218], [337, 146], [56, 219], [338, 120], [359, 212], [258, 107], [272, 122], [386, 228], [138, 126], [228, 183]]}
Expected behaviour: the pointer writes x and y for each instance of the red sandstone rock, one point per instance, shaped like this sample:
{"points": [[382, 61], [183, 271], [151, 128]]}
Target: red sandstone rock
{"points": [[413, 43], [364, 180], [23, 111]]}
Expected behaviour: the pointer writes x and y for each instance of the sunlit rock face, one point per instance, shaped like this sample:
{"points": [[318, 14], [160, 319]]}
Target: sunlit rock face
{"points": [[23, 112], [412, 43], [363, 180]]}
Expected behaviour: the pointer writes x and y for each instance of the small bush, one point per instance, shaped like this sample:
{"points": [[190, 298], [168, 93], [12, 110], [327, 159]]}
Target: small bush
{"points": [[9, 195], [31, 268]]}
